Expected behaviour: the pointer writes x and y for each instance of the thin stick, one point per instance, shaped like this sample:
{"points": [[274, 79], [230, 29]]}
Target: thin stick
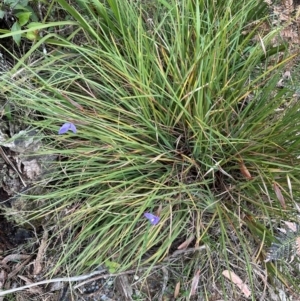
{"points": [[63, 279], [84, 277], [115, 275]]}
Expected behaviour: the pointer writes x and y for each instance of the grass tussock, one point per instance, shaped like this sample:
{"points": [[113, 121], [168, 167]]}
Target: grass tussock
{"points": [[177, 114]]}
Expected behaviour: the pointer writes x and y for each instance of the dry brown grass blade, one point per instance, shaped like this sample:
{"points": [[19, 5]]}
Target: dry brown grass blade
{"points": [[74, 103]]}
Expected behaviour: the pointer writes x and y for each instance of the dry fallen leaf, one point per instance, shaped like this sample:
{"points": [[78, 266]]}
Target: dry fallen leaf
{"points": [[244, 170], [37, 266], [291, 226], [279, 195], [176, 290], [186, 243], [195, 282], [14, 257], [238, 282]]}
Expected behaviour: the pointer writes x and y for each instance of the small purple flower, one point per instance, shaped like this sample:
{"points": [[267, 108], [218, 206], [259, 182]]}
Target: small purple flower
{"points": [[152, 218], [66, 127]]}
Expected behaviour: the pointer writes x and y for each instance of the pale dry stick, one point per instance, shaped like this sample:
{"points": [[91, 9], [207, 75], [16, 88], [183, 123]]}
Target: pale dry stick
{"points": [[63, 279], [83, 277], [114, 275]]}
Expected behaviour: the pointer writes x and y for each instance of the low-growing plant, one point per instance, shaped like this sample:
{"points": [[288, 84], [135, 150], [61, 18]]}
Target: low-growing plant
{"points": [[174, 114], [22, 14]]}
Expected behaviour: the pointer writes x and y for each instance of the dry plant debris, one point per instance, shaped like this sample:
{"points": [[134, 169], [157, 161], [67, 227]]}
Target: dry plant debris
{"points": [[186, 243], [238, 282], [279, 195], [38, 267], [195, 282]]}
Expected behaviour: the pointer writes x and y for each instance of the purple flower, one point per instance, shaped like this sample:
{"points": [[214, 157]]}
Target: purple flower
{"points": [[152, 218], [66, 127]]}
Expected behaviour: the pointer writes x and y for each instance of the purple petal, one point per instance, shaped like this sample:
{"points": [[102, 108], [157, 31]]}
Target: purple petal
{"points": [[66, 127], [152, 218], [73, 128]]}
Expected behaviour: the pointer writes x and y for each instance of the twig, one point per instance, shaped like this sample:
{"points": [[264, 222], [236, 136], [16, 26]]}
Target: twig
{"points": [[115, 275], [63, 279], [83, 277], [6, 159]]}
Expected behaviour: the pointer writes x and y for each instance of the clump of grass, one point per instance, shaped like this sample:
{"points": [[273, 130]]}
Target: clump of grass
{"points": [[177, 114]]}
